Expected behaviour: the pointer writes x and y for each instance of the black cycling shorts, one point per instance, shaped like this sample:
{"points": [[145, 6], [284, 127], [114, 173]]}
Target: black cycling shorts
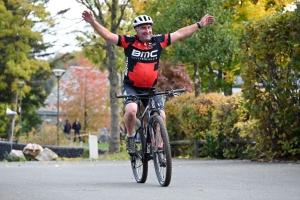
{"points": [[128, 89]]}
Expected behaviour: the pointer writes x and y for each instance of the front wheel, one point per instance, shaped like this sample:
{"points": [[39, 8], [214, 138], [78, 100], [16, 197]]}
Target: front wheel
{"points": [[161, 151], [139, 162]]}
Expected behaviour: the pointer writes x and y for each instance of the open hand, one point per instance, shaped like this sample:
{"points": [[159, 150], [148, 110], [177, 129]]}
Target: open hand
{"points": [[207, 19], [88, 16]]}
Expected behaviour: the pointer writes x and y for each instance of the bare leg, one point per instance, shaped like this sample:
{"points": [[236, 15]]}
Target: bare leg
{"points": [[163, 115], [158, 135], [130, 117]]}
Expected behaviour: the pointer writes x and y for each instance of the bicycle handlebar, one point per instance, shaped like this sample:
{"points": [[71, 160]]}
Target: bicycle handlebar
{"points": [[167, 92]]}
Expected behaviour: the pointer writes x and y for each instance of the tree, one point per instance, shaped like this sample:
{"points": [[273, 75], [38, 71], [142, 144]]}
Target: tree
{"points": [[21, 39], [271, 82], [211, 55], [86, 94], [87, 98], [212, 46], [16, 52], [249, 10]]}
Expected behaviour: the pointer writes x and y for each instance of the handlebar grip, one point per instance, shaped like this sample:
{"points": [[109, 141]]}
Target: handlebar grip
{"points": [[179, 90], [121, 96]]}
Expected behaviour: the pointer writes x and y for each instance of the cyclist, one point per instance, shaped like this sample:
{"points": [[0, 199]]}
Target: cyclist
{"points": [[142, 52]]}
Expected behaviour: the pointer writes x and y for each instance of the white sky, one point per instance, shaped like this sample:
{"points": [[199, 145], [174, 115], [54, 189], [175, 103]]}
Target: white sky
{"points": [[72, 22]]}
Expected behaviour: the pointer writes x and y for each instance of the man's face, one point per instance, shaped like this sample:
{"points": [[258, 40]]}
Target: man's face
{"points": [[144, 32]]}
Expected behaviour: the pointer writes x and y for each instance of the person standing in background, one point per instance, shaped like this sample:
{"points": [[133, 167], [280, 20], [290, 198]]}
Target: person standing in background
{"points": [[77, 127], [105, 134], [67, 129]]}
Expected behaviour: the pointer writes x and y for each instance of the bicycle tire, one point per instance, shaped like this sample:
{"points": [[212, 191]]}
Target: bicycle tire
{"points": [[139, 163], [162, 158]]}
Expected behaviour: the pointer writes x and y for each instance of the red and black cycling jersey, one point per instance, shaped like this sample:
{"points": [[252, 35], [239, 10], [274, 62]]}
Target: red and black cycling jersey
{"points": [[142, 59]]}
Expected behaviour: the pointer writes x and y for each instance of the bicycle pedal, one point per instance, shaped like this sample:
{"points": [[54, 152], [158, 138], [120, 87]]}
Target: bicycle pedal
{"points": [[163, 165]]}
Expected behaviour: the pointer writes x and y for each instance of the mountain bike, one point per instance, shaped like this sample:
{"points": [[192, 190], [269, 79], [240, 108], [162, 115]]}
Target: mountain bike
{"points": [[152, 139]]}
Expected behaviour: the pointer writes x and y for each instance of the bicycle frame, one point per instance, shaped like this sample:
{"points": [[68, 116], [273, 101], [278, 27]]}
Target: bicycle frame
{"points": [[149, 111]]}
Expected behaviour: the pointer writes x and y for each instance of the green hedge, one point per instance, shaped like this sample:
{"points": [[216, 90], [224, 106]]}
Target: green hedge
{"points": [[223, 121]]}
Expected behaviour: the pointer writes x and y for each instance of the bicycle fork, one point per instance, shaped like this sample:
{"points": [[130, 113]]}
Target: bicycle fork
{"points": [[159, 152]]}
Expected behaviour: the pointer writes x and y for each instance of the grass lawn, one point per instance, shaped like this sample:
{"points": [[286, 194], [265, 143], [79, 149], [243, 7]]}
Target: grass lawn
{"points": [[122, 155], [86, 145]]}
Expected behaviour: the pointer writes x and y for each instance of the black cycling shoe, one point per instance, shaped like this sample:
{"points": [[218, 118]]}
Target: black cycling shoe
{"points": [[130, 145]]}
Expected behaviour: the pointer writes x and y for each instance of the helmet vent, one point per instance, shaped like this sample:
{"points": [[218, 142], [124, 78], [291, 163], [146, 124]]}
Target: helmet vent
{"points": [[142, 19]]}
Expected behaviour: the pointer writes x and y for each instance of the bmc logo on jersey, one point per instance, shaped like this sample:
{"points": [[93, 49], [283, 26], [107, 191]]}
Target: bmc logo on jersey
{"points": [[143, 54]]}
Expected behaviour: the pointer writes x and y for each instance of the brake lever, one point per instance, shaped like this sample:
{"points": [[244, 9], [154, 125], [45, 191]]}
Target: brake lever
{"points": [[176, 94], [170, 92]]}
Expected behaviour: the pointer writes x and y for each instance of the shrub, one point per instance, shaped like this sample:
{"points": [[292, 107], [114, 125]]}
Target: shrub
{"points": [[271, 52]]}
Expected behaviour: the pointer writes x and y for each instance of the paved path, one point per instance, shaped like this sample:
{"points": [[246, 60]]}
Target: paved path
{"points": [[192, 179]]}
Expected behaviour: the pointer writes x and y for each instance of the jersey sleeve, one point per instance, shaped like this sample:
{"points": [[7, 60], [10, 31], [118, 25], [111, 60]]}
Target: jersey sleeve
{"points": [[164, 40], [123, 41]]}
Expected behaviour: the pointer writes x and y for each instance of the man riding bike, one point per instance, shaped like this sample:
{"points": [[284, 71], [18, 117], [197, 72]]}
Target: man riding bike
{"points": [[142, 52]]}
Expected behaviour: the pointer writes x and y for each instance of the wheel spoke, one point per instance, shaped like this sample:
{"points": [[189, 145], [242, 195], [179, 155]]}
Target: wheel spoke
{"points": [[161, 152], [139, 164]]}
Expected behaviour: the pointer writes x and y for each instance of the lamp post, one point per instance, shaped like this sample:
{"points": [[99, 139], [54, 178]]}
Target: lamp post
{"points": [[58, 73], [20, 85], [11, 114]]}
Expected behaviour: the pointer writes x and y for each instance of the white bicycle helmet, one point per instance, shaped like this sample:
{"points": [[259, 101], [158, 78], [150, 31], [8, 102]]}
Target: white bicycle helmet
{"points": [[142, 19]]}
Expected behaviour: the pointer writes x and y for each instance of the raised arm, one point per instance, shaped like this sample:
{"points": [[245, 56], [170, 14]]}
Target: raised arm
{"points": [[188, 30], [102, 31]]}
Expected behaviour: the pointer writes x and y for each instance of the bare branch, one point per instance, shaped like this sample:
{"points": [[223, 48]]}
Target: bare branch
{"points": [[122, 11], [108, 5]]}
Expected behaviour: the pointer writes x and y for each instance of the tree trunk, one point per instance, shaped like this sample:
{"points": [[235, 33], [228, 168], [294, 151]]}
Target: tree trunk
{"points": [[228, 90], [211, 78], [111, 20], [220, 77], [197, 80], [114, 144]]}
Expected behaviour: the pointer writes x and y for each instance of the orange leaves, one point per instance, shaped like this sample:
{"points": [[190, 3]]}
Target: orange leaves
{"points": [[86, 97]]}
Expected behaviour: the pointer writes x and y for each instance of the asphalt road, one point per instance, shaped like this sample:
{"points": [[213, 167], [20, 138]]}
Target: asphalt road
{"points": [[191, 179]]}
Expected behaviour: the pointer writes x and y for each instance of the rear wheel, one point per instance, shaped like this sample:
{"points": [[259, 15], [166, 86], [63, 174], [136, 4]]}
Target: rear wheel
{"points": [[139, 163], [161, 152]]}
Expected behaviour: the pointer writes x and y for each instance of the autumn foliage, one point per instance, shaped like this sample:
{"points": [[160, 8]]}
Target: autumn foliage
{"points": [[86, 96], [173, 77]]}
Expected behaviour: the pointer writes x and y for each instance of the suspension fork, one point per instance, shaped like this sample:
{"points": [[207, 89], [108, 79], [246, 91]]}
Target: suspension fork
{"points": [[151, 133], [149, 138]]}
